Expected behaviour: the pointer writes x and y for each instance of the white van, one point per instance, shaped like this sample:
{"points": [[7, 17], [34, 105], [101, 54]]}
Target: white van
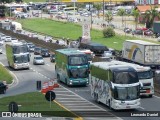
{"points": [[52, 11]]}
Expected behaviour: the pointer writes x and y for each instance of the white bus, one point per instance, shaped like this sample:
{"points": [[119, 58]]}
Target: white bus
{"points": [[18, 56], [115, 85], [70, 10]]}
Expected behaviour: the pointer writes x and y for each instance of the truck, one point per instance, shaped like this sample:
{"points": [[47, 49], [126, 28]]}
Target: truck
{"points": [[18, 55], [141, 52], [145, 76], [115, 85], [16, 27], [72, 67], [156, 28]]}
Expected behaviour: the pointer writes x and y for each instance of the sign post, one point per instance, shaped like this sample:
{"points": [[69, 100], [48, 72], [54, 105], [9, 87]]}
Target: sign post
{"points": [[86, 24]]}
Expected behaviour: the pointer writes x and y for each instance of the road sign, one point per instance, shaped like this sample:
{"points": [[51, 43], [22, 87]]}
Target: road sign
{"points": [[13, 107], [50, 96]]}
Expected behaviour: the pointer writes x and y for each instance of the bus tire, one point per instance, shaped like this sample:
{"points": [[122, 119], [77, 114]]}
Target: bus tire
{"points": [[58, 78], [4, 91], [96, 97], [109, 105], [66, 81], [150, 96]]}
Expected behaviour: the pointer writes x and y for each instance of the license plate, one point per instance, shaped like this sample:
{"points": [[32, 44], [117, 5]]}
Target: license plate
{"points": [[147, 91]]}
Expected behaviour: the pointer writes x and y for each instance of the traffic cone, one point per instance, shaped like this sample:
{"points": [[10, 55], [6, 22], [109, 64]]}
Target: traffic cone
{"points": [[44, 87], [56, 85], [50, 85]]}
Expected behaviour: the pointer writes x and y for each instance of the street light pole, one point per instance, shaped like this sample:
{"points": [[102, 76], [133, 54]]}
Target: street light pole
{"points": [[103, 10]]}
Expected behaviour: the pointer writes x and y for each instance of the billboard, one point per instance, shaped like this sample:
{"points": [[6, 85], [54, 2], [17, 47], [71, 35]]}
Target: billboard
{"points": [[97, 0]]}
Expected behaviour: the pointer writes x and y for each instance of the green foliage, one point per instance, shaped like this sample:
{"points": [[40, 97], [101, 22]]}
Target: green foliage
{"points": [[136, 14], [108, 32], [98, 6], [150, 16], [121, 12], [5, 75], [108, 16]]}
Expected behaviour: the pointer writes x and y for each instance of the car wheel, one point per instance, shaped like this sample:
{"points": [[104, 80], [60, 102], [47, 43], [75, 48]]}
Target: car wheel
{"points": [[4, 91]]}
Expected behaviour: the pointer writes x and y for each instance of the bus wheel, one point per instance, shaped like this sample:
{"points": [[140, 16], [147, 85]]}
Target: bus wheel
{"points": [[109, 104], [4, 91], [96, 97], [150, 96], [58, 78]]}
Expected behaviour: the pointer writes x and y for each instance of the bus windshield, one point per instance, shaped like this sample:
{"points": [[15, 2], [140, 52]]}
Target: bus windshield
{"points": [[145, 75], [125, 77], [21, 59], [126, 93], [20, 49], [78, 73], [78, 60]]}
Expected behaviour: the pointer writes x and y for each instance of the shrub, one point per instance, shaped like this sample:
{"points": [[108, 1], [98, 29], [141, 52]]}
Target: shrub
{"points": [[108, 32]]}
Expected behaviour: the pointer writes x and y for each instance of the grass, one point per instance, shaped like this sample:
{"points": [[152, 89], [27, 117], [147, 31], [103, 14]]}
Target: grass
{"points": [[27, 1], [35, 102], [72, 31], [5, 75]]}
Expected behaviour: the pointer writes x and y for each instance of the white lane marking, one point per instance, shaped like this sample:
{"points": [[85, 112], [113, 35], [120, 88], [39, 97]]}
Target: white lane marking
{"points": [[88, 110], [142, 108], [156, 96], [47, 64], [65, 95], [71, 101]]}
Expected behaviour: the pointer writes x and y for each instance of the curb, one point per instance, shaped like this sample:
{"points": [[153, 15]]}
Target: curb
{"points": [[15, 79]]}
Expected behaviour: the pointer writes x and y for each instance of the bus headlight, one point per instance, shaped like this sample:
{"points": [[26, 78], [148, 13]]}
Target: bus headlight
{"points": [[70, 82]]}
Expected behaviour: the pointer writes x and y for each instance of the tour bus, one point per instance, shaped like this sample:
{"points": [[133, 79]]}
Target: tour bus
{"points": [[70, 10], [72, 67], [145, 76], [115, 85], [88, 52], [18, 56]]}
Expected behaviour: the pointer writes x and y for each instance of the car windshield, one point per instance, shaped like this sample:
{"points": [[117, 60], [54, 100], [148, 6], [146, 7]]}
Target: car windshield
{"points": [[78, 60], [21, 59], [126, 93], [121, 77], [145, 75], [39, 58], [20, 49], [44, 50], [78, 73]]}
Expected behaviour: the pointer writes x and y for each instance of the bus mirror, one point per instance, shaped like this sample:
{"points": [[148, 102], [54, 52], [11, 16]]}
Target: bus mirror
{"points": [[141, 85]]}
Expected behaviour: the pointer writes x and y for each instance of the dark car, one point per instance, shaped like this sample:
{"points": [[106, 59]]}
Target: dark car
{"points": [[52, 57], [127, 30], [37, 50], [96, 48], [3, 88], [45, 53], [137, 32]]}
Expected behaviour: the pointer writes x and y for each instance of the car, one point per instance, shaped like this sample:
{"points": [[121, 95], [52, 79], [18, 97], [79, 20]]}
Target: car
{"points": [[3, 37], [37, 50], [14, 40], [7, 39], [23, 41], [52, 57], [38, 60], [31, 48], [3, 88], [45, 52], [1, 42]]}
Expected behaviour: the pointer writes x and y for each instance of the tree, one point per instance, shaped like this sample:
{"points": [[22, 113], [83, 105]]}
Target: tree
{"points": [[136, 14], [108, 16], [121, 12], [150, 16], [7, 1], [98, 6]]}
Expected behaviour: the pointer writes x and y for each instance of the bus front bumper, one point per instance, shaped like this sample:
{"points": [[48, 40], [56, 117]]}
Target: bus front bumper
{"points": [[78, 82]]}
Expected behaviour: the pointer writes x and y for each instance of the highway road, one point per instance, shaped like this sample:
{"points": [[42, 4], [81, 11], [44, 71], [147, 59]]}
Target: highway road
{"points": [[73, 98]]}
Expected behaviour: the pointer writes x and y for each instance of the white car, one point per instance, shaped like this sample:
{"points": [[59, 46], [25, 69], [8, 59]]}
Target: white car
{"points": [[14, 40], [8, 39], [38, 60], [3, 37], [158, 39], [1, 42]]}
